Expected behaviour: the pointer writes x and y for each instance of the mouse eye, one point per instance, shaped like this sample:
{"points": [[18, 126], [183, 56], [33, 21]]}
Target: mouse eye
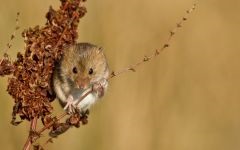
{"points": [[90, 71], [74, 70]]}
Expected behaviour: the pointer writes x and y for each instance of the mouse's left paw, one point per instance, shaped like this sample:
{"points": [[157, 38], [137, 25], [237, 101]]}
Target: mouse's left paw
{"points": [[71, 106], [99, 89]]}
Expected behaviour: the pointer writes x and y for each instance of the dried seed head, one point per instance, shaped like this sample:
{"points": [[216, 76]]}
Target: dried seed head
{"points": [[6, 67], [30, 85]]}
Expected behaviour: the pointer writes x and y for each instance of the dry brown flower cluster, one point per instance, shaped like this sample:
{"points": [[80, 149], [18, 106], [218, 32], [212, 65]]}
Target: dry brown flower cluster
{"points": [[30, 85], [6, 67]]}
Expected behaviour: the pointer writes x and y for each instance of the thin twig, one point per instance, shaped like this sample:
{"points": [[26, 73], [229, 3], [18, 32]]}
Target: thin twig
{"points": [[65, 30], [50, 140], [62, 115], [9, 44], [51, 123], [85, 95], [156, 52], [29, 141]]}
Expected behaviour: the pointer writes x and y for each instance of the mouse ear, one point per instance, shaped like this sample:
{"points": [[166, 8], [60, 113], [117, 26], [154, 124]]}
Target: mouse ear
{"points": [[100, 49]]}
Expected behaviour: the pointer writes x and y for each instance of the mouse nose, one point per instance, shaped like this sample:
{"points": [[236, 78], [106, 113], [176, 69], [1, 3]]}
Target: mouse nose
{"points": [[83, 83]]}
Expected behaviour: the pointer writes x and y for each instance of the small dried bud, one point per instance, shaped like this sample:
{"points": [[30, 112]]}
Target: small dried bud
{"points": [[132, 69], [166, 45], [146, 58], [157, 52], [172, 33], [179, 25], [58, 129], [6, 67], [113, 74]]}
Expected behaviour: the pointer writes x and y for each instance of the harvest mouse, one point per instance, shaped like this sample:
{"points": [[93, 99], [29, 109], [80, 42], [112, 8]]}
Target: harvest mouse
{"points": [[82, 67]]}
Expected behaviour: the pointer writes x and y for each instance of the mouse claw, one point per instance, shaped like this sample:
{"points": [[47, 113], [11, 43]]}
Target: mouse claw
{"points": [[99, 88], [96, 87], [71, 106]]}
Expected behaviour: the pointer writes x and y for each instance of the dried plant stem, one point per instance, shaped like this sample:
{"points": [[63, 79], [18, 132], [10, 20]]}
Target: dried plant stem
{"points": [[50, 140], [64, 31], [40, 131], [9, 44], [51, 123], [29, 141], [62, 115], [157, 51], [6, 66]]}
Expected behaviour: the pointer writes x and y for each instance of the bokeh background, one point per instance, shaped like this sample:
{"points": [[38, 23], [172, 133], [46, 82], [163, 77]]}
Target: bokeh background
{"points": [[186, 99]]}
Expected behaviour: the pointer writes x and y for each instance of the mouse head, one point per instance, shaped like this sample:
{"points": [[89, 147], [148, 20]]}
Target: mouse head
{"points": [[84, 64]]}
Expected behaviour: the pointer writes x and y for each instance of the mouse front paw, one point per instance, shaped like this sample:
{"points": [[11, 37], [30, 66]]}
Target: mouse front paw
{"points": [[71, 106]]}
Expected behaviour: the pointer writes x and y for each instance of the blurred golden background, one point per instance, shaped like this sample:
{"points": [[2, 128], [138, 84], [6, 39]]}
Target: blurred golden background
{"points": [[186, 99]]}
